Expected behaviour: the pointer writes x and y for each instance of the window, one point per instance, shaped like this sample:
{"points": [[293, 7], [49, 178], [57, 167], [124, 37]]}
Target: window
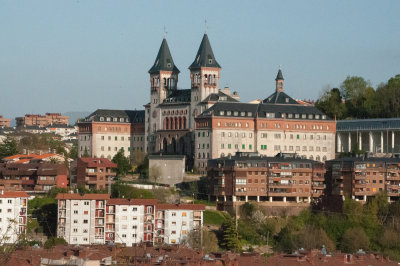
{"points": [[173, 214], [134, 227], [75, 221], [173, 232], [86, 203], [86, 212], [9, 201], [124, 235], [85, 221], [229, 146], [75, 212], [250, 146], [75, 230], [243, 146], [183, 214], [134, 209]]}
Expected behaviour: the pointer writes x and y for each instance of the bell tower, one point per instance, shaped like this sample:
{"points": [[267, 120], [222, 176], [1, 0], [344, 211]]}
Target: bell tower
{"points": [[163, 81], [279, 81], [204, 75]]}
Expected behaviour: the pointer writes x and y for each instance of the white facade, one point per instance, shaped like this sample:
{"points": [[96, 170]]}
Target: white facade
{"points": [[13, 216], [97, 219]]}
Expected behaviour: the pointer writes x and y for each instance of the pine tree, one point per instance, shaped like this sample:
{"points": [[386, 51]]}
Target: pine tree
{"points": [[230, 238], [8, 147]]}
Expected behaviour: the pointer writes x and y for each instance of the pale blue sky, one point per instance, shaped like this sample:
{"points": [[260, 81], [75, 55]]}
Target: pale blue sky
{"points": [[58, 56]]}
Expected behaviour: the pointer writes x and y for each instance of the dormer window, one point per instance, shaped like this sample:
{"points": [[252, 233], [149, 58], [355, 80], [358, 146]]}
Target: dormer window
{"points": [[115, 119], [228, 113], [101, 118], [290, 115], [249, 114], [324, 117], [242, 113], [235, 113], [108, 119], [169, 65], [210, 61], [296, 116], [221, 112], [121, 120], [287, 100]]}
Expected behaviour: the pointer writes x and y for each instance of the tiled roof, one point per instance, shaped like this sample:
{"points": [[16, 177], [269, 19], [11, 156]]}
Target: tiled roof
{"points": [[13, 194], [76, 196], [178, 96], [219, 97], [280, 97], [164, 61], [166, 206], [132, 202], [263, 110], [98, 162], [129, 116], [205, 56]]}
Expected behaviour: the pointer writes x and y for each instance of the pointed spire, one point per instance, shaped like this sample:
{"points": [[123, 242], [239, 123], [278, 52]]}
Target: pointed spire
{"points": [[205, 56], [279, 76], [164, 61]]}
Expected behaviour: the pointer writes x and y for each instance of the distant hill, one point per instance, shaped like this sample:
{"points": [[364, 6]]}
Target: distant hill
{"points": [[74, 116]]}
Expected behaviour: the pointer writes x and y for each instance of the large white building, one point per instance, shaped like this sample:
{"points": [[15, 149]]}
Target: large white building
{"points": [[96, 219], [13, 216]]}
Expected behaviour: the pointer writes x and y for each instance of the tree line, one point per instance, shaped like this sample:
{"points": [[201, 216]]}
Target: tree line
{"points": [[357, 99]]}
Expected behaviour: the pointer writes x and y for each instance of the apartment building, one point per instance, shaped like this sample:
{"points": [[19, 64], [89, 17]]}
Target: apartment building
{"points": [[32, 177], [173, 222], [5, 122], [13, 216], [249, 176], [95, 173], [278, 124], [96, 219], [131, 221], [361, 178], [41, 120], [104, 132]]}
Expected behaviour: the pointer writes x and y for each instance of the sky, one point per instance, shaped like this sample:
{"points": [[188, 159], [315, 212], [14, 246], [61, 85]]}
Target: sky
{"points": [[60, 56]]}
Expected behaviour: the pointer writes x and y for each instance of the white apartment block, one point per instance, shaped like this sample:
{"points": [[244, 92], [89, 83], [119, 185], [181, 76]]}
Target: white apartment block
{"points": [[13, 216], [97, 219], [174, 222]]}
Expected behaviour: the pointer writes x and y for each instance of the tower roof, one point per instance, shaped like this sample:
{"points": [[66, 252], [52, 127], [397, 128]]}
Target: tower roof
{"points": [[279, 76], [205, 56], [164, 61]]}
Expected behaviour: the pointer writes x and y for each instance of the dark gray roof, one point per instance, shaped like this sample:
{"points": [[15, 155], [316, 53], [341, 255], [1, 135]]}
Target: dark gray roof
{"points": [[178, 96], [205, 56], [164, 61], [59, 126], [265, 110], [231, 161], [368, 124], [129, 116], [280, 97], [365, 159], [219, 97], [279, 76]]}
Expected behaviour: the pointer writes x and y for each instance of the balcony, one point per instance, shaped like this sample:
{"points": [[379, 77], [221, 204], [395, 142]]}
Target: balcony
{"points": [[98, 236]]}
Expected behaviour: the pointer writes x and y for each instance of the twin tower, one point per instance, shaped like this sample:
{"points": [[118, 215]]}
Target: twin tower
{"points": [[204, 73]]}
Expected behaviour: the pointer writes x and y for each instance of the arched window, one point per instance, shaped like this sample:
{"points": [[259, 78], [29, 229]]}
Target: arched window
{"points": [[204, 155], [165, 82], [205, 79], [222, 155], [171, 123], [176, 122], [311, 157], [184, 123], [324, 158], [214, 80], [199, 155], [166, 123], [318, 158]]}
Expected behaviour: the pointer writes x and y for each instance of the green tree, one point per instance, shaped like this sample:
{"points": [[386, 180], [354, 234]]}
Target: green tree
{"points": [[355, 239], [123, 164], [85, 153], [73, 152], [230, 237], [54, 241], [8, 147], [356, 91], [247, 210], [331, 104], [388, 98]]}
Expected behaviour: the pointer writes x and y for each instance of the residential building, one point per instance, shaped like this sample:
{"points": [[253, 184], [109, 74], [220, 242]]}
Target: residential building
{"points": [[362, 177], [249, 176], [13, 216], [375, 136], [32, 177], [173, 222], [131, 221], [63, 130], [171, 111], [96, 219], [104, 132], [95, 173], [167, 169], [41, 120], [5, 122], [278, 124]]}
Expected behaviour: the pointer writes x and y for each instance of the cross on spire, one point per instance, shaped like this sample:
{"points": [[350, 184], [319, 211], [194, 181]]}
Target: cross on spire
{"points": [[165, 32], [205, 26]]}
